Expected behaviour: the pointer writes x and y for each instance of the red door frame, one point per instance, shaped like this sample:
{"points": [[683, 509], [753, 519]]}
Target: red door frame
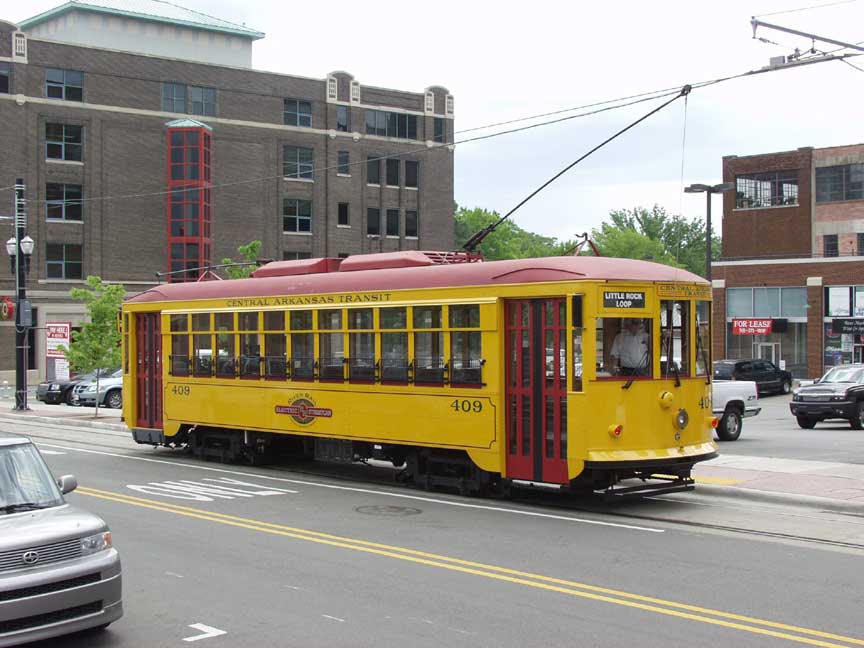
{"points": [[536, 389], [148, 329]]}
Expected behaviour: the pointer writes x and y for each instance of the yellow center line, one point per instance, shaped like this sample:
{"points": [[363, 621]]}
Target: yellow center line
{"points": [[593, 592]]}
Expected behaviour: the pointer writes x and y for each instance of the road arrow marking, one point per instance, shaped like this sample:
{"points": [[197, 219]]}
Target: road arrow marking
{"points": [[207, 630]]}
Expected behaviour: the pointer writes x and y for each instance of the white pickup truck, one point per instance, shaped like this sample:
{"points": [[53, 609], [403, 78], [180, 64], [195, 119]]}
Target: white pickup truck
{"points": [[733, 401]]}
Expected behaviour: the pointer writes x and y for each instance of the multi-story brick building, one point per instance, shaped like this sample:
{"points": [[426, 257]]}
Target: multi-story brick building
{"points": [[793, 259], [147, 143]]}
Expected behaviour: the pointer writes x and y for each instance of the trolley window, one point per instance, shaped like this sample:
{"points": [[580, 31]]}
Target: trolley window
{"points": [[577, 344], [226, 362], [428, 345], [703, 337], [275, 365], [674, 338], [394, 345], [466, 357], [623, 347], [179, 365], [361, 345], [202, 345], [250, 345], [331, 346], [302, 346]]}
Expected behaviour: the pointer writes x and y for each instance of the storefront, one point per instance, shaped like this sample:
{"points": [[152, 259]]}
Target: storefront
{"points": [[843, 325]]}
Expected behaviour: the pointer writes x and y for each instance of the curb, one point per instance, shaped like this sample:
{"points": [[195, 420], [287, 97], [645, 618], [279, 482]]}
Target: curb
{"points": [[776, 497], [57, 420]]}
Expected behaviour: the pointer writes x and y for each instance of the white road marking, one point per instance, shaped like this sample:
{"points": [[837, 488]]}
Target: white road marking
{"points": [[380, 493], [293, 587], [207, 630], [200, 492], [327, 616], [174, 574]]}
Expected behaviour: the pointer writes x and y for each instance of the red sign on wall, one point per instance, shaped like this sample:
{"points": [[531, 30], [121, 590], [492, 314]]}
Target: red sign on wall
{"points": [[751, 326]]}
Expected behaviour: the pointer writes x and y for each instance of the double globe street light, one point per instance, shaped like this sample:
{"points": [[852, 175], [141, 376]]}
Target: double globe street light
{"points": [[19, 248], [709, 190]]}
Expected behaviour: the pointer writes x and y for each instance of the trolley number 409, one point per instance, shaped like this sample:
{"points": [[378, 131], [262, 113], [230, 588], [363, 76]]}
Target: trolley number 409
{"points": [[466, 406]]}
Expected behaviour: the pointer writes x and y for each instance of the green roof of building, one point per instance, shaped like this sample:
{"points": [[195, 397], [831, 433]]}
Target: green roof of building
{"points": [[151, 10]]}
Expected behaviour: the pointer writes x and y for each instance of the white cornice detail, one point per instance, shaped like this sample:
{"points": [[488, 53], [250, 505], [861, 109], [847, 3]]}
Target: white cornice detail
{"points": [[757, 262]]}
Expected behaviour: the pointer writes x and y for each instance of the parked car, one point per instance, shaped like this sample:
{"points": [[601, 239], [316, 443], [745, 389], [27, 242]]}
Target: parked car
{"points": [[839, 394], [110, 392], [732, 402], [59, 571], [54, 392], [767, 376]]}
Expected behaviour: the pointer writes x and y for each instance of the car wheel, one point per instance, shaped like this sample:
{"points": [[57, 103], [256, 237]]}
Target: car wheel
{"points": [[114, 399], [786, 387], [67, 397], [806, 422], [729, 428], [858, 418]]}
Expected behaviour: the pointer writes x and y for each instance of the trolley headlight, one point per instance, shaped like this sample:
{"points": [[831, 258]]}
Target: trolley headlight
{"points": [[682, 419], [96, 543]]}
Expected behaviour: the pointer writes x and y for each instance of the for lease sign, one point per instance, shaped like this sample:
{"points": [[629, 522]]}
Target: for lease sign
{"points": [[56, 335], [751, 326]]}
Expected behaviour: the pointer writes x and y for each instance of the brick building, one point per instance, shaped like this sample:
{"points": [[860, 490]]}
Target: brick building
{"points": [[147, 143], [793, 259]]}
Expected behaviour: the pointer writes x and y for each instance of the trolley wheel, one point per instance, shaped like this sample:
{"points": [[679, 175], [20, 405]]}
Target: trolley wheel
{"points": [[729, 428], [858, 418], [808, 423]]}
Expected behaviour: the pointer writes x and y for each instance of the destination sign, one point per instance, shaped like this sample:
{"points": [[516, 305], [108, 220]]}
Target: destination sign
{"points": [[623, 299], [683, 291]]}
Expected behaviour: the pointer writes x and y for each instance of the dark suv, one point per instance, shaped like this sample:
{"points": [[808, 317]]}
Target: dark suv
{"points": [[839, 394], [767, 376]]}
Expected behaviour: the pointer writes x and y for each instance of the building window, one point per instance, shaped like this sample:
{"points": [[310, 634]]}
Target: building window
{"points": [[392, 173], [63, 201], [342, 119], [64, 84], [174, 97], [769, 189], [860, 246], [829, 245], [440, 125], [295, 256], [297, 162], [203, 100], [393, 222], [5, 73], [373, 221], [840, 183], [296, 215], [297, 113], [343, 216], [373, 171], [412, 224], [185, 155], [63, 261], [412, 174], [63, 142], [391, 124], [344, 166]]}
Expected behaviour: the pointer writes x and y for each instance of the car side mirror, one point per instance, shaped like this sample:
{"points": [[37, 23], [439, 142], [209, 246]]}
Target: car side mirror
{"points": [[67, 483]]}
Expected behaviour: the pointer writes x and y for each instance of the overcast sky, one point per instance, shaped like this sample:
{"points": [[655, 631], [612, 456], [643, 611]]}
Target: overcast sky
{"points": [[502, 63]]}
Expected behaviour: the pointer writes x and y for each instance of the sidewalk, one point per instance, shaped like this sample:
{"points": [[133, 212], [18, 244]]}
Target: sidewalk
{"points": [[814, 483]]}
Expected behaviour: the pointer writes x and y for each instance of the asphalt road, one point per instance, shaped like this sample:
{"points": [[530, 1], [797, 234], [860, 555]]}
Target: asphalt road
{"points": [[775, 433], [274, 558]]}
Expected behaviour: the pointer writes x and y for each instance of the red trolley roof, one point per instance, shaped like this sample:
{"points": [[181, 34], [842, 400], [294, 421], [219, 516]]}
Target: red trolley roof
{"points": [[412, 270]]}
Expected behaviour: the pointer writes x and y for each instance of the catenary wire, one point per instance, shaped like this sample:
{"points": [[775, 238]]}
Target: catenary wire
{"points": [[821, 6]]}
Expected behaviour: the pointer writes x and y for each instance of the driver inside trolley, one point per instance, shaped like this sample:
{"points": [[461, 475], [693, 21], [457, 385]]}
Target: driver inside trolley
{"points": [[631, 349]]}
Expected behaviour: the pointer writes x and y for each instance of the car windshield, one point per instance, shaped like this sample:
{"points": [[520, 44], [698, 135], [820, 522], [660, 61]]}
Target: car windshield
{"points": [[843, 375], [25, 482]]}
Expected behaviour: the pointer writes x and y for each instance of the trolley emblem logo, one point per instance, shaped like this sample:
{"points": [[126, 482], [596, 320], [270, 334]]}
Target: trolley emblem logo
{"points": [[303, 411]]}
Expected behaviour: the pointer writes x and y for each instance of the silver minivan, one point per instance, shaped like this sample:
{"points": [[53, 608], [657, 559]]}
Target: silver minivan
{"points": [[59, 572]]}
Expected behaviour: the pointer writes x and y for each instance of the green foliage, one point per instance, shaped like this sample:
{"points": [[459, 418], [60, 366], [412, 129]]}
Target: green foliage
{"points": [[248, 254], [653, 234], [509, 241]]}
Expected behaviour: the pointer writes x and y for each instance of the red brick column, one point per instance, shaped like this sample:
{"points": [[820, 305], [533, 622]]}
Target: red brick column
{"points": [[718, 321]]}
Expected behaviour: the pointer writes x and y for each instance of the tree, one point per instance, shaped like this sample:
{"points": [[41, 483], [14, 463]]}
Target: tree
{"points": [[672, 240], [508, 241], [248, 254], [97, 345]]}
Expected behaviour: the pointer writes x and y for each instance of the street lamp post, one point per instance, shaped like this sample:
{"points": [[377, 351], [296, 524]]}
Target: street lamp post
{"points": [[19, 248], [709, 190]]}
